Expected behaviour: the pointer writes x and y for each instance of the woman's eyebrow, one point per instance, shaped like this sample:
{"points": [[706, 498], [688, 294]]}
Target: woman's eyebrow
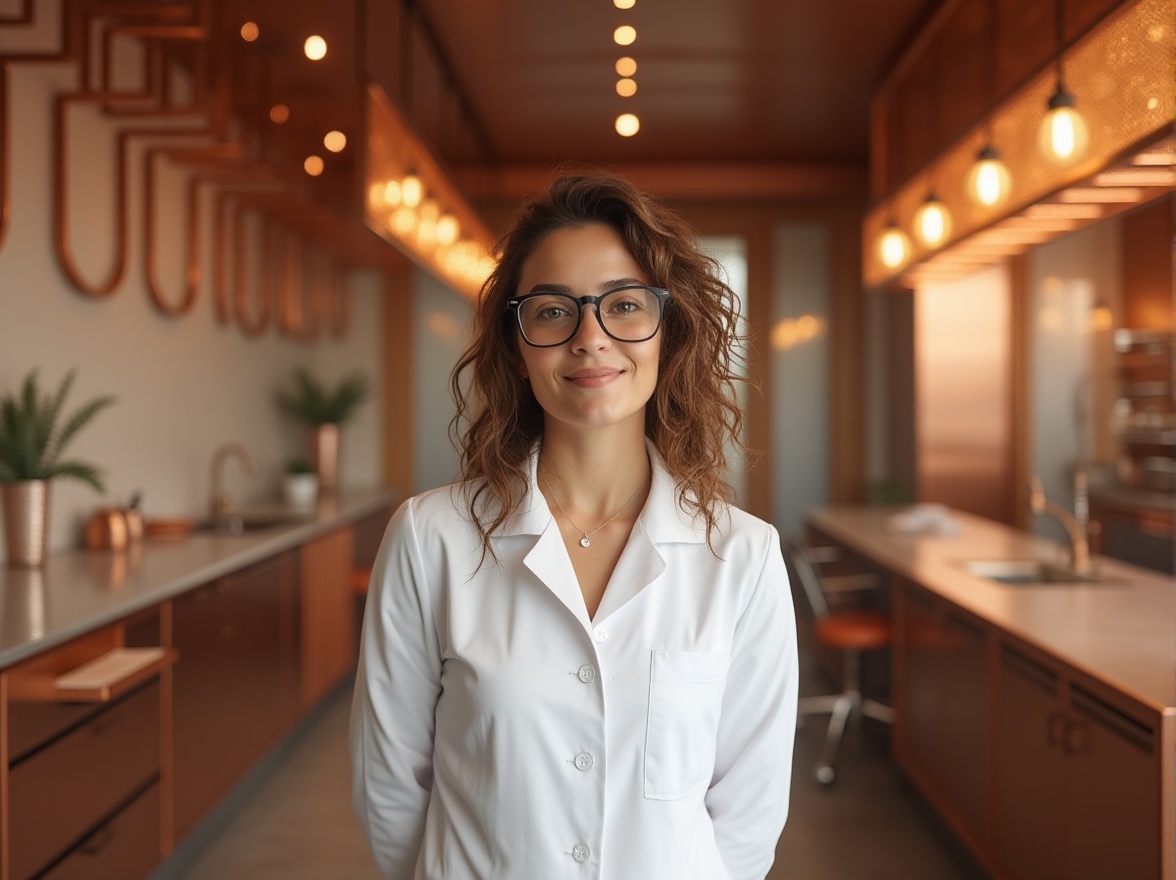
{"points": [[603, 287]]}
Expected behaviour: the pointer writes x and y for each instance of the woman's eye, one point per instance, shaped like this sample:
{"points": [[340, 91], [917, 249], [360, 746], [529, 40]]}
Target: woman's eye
{"points": [[551, 312], [625, 307]]}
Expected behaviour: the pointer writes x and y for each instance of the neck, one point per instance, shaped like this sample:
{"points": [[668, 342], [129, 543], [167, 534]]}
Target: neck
{"points": [[594, 472]]}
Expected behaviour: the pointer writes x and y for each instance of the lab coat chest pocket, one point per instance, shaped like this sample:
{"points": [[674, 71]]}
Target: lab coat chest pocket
{"points": [[685, 696]]}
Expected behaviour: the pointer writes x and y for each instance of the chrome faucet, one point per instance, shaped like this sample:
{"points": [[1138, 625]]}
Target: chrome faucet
{"points": [[220, 503], [1076, 524]]}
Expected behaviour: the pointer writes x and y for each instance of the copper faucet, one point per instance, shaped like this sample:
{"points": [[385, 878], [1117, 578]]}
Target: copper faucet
{"points": [[220, 503], [1076, 524]]}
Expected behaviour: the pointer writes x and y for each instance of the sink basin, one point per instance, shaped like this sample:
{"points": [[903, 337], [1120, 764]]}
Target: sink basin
{"points": [[1028, 571], [252, 521]]}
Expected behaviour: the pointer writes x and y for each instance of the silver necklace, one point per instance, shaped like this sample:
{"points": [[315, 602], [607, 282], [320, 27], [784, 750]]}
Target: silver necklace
{"points": [[584, 542]]}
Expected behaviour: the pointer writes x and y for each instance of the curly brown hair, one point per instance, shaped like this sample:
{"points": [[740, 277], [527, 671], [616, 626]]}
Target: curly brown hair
{"points": [[692, 415]]}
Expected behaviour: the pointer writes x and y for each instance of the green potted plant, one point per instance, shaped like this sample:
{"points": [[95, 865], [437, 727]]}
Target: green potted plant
{"points": [[300, 483], [323, 410], [33, 437]]}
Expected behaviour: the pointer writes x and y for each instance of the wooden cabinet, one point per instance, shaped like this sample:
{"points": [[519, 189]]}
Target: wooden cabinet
{"points": [[327, 616], [234, 682], [942, 704], [1078, 777]]}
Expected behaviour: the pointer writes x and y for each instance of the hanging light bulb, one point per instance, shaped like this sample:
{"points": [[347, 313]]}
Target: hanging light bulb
{"points": [[894, 248], [932, 222], [989, 182], [1063, 136], [411, 190]]}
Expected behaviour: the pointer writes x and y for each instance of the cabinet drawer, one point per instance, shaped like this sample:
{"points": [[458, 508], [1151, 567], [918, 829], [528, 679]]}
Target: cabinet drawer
{"points": [[126, 847], [32, 725], [57, 795]]}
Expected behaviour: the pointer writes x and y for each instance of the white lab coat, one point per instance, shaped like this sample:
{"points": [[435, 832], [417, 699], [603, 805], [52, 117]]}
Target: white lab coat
{"points": [[498, 732]]}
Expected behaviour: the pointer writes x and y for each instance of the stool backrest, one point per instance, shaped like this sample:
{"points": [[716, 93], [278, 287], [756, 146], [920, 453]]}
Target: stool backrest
{"points": [[803, 568]]}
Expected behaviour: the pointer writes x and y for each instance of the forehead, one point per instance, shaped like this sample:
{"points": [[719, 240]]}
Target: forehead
{"points": [[579, 257]]}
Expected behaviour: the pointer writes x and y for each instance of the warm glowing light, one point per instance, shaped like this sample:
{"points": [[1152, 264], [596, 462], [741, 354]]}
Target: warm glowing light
{"points": [[1137, 177], [894, 248], [447, 229], [250, 31], [427, 232], [628, 125], [279, 113], [411, 190], [932, 222], [626, 66], [313, 165], [404, 220], [335, 141], [1154, 159], [988, 182], [1101, 318], [791, 332], [392, 193], [626, 87], [315, 48], [624, 4], [429, 210], [625, 35], [1063, 136]]}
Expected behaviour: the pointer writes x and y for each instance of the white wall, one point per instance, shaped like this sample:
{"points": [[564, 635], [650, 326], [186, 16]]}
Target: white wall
{"points": [[184, 385], [442, 320], [800, 373]]}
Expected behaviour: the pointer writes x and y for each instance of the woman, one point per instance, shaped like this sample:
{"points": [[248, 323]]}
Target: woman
{"points": [[580, 661]]}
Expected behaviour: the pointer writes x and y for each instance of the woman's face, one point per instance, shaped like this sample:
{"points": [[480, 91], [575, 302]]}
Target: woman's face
{"points": [[592, 380]]}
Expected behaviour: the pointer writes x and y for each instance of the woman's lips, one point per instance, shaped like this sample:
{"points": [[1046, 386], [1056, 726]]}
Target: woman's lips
{"points": [[593, 377]]}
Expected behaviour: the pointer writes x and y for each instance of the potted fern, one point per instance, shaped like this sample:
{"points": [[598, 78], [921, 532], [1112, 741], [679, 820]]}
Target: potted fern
{"points": [[323, 410], [33, 436]]}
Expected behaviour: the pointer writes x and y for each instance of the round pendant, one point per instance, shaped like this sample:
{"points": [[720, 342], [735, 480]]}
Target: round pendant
{"points": [[584, 542]]}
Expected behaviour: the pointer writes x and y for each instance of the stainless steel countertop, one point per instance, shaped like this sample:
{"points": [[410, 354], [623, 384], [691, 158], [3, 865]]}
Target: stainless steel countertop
{"points": [[79, 591], [1122, 632]]}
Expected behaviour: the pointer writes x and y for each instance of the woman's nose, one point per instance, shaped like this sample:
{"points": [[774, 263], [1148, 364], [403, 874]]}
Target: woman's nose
{"points": [[590, 334]]}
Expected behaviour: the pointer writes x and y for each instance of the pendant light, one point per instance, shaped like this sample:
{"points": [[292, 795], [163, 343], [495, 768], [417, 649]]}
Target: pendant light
{"points": [[932, 222], [894, 247], [988, 182], [1063, 136]]}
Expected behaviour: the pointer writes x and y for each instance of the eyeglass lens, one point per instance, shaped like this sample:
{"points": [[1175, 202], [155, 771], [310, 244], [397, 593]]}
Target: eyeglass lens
{"points": [[631, 314]]}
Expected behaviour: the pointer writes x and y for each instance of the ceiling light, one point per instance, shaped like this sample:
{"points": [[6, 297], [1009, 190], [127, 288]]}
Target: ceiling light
{"points": [[447, 229], [624, 4], [988, 182], [626, 87], [250, 31], [411, 190], [335, 141], [628, 125], [1063, 136], [391, 193], [932, 222], [894, 248], [313, 165], [315, 48], [626, 66], [429, 210], [279, 113], [404, 220], [625, 35]]}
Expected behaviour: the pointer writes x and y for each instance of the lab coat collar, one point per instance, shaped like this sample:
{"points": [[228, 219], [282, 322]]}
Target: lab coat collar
{"points": [[662, 518]]}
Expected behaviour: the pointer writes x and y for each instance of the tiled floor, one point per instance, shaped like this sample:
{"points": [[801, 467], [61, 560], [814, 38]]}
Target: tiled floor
{"points": [[868, 826]]}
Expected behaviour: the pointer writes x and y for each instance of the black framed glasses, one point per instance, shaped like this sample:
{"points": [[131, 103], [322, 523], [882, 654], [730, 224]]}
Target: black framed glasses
{"points": [[627, 314]]}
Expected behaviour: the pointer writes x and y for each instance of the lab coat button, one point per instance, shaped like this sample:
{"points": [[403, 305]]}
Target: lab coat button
{"points": [[600, 634], [581, 853], [583, 761], [587, 674]]}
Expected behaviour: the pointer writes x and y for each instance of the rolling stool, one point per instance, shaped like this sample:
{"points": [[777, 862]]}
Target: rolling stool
{"points": [[850, 633]]}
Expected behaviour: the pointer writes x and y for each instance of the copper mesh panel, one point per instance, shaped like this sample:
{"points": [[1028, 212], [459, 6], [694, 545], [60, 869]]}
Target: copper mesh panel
{"points": [[1122, 75]]}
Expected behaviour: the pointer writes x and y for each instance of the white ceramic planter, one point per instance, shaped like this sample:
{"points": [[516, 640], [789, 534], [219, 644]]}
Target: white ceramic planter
{"points": [[301, 490]]}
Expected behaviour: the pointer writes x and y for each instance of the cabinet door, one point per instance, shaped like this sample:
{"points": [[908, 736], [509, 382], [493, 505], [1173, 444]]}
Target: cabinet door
{"points": [[326, 613], [1113, 803], [228, 681], [963, 720], [1029, 770], [917, 655]]}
